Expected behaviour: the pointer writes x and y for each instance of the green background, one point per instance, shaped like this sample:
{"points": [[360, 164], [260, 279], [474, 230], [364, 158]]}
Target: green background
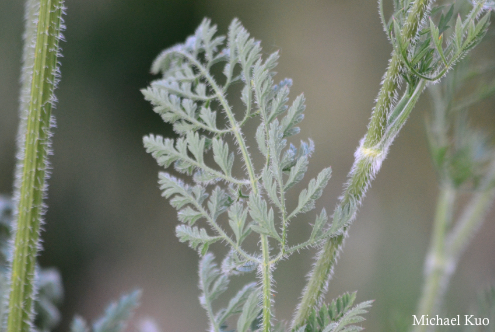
{"points": [[109, 231]]}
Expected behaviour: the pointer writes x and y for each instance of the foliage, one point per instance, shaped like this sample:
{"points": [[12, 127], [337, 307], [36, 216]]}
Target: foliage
{"points": [[191, 99], [115, 317], [240, 193], [340, 315]]}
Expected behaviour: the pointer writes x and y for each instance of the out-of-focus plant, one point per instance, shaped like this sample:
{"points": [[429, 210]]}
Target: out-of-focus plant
{"points": [[238, 197], [464, 160]]}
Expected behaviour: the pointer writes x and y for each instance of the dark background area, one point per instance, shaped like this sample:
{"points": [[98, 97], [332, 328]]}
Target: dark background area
{"points": [[109, 231]]}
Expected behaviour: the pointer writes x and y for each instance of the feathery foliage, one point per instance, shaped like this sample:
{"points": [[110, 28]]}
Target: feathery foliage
{"points": [[191, 98], [115, 318], [339, 315], [418, 58]]}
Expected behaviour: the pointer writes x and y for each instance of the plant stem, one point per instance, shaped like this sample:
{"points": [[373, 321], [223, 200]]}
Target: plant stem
{"points": [[266, 271], [438, 262], [266, 275], [473, 216], [366, 166], [36, 146], [447, 247]]}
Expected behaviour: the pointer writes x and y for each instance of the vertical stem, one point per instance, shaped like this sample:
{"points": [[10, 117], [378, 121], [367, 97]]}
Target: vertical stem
{"points": [[472, 216], [267, 284], [438, 262], [32, 184], [266, 271], [366, 165]]}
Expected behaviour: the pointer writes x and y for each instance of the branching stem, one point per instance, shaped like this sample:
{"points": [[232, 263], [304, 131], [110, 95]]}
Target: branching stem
{"points": [[447, 246], [362, 171], [266, 264]]}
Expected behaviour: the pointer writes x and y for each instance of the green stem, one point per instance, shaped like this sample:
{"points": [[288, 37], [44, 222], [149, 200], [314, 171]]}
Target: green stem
{"points": [[446, 248], [32, 184], [438, 262], [364, 169], [266, 276], [472, 216], [266, 273]]}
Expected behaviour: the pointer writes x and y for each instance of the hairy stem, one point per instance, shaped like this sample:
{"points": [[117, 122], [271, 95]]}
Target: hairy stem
{"points": [[236, 130], [364, 168], [266, 275], [35, 146]]}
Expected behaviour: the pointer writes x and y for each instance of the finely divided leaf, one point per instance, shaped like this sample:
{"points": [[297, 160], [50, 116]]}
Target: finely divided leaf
{"points": [[307, 197], [263, 82], [211, 282], [292, 154], [293, 117], [351, 317], [250, 311], [297, 172], [189, 215], [271, 187], [197, 237], [235, 304], [219, 202], [196, 145], [264, 219], [181, 192], [318, 228], [208, 117], [278, 104], [237, 221], [222, 157], [117, 314]]}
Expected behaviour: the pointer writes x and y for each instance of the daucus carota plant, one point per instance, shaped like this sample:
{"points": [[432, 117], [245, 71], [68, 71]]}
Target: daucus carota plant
{"points": [[192, 96]]}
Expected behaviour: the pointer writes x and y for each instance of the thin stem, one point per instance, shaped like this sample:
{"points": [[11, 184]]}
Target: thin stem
{"points": [[391, 80], [446, 248], [364, 169], [32, 184], [473, 216], [266, 274], [212, 171], [438, 262], [211, 316], [225, 236], [362, 172]]}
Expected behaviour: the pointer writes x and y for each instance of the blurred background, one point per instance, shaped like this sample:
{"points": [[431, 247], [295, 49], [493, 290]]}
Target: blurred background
{"points": [[109, 231]]}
